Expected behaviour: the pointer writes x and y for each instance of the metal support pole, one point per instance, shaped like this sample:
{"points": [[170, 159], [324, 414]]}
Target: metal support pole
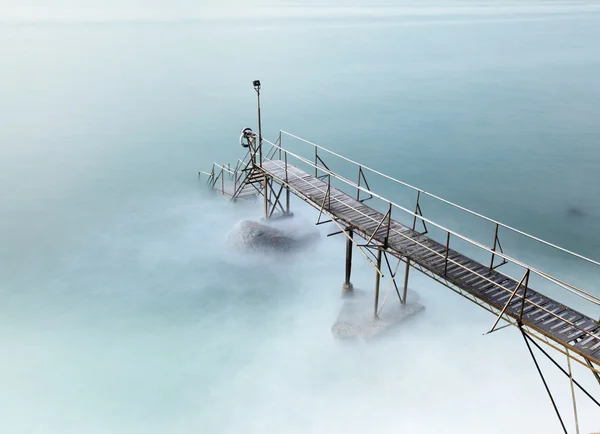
{"points": [[562, 369], [447, 251], [544, 381], [316, 161], [494, 248], [593, 372], [287, 186], [265, 186], [260, 140], [406, 281], [329, 191], [347, 287], [358, 184], [280, 145], [389, 226], [573, 392], [524, 297], [508, 302], [377, 280], [416, 209]]}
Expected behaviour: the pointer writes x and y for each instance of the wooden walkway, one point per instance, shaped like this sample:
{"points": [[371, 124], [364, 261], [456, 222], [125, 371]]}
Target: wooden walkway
{"points": [[560, 323]]}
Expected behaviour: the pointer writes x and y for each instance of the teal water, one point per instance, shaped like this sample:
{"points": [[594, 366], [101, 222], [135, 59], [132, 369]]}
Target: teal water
{"points": [[123, 310]]}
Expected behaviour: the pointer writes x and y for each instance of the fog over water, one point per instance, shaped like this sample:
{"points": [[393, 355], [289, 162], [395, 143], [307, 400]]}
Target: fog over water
{"points": [[124, 310]]}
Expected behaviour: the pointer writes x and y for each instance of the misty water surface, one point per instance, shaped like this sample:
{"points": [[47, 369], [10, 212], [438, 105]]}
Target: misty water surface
{"points": [[122, 308]]}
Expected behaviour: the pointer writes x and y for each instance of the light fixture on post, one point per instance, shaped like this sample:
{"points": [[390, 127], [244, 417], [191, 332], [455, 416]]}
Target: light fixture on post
{"points": [[256, 84]]}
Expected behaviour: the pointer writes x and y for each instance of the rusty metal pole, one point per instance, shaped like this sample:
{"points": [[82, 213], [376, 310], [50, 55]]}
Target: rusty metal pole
{"points": [[347, 287], [406, 281], [287, 185], [260, 140], [494, 248], [265, 186], [573, 392], [416, 210], [377, 280]]}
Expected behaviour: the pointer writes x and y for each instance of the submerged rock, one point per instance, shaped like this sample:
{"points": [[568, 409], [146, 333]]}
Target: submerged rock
{"points": [[355, 321], [249, 235], [576, 212]]}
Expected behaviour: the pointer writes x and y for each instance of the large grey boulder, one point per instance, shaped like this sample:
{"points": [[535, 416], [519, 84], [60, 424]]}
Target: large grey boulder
{"points": [[250, 235]]}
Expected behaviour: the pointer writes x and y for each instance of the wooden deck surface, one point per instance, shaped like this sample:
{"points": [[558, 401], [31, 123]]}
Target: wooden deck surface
{"points": [[568, 327]]}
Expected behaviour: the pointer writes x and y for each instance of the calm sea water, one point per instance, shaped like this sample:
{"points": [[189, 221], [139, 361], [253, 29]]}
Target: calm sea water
{"points": [[123, 310]]}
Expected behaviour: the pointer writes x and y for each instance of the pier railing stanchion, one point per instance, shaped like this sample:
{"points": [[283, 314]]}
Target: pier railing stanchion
{"points": [[416, 210], [287, 185], [447, 251], [524, 296], [358, 184], [494, 247], [280, 145]]}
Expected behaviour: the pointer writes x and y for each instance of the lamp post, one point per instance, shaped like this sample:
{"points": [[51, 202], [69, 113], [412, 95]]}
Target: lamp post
{"points": [[256, 84]]}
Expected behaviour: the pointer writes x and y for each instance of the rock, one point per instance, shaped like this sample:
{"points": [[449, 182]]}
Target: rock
{"points": [[576, 212], [249, 235], [355, 321]]}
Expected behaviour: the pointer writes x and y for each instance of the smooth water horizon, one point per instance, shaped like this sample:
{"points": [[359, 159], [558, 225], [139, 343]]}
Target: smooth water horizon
{"points": [[124, 310]]}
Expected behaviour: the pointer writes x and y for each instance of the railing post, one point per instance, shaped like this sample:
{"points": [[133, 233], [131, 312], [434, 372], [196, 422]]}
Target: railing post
{"points": [[316, 160], [265, 194], [358, 184], [222, 181], [389, 225], [329, 191], [416, 209], [287, 185], [280, 144], [447, 251], [524, 296], [495, 244]]}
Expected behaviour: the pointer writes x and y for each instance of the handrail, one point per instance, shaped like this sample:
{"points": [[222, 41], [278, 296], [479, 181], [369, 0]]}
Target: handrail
{"points": [[576, 291], [226, 169], [533, 237]]}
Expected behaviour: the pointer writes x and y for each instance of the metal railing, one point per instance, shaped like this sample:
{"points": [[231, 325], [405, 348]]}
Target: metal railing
{"points": [[448, 260], [421, 192], [237, 175]]}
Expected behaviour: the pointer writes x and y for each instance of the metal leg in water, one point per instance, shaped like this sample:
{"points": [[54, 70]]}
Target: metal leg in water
{"points": [[544, 381], [406, 281], [377, 280], [266, 195], [347, 287]]}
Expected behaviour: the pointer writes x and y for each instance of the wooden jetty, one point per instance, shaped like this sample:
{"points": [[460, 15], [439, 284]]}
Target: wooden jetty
{"points": [[378, 233]]}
